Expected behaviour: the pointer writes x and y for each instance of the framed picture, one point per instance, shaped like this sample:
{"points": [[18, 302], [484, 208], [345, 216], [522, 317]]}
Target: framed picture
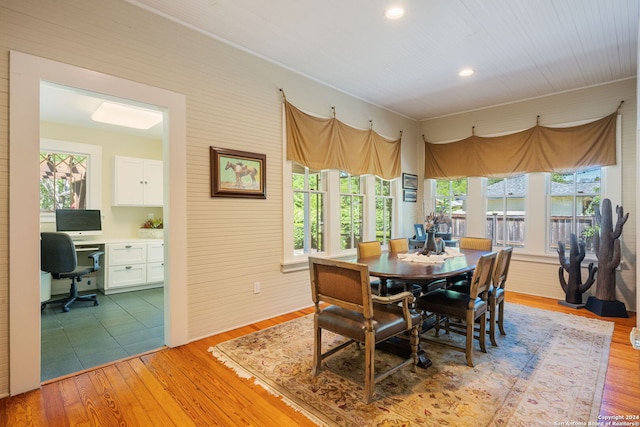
{"points": [[238, 173], [409, 181], [409, 195]]}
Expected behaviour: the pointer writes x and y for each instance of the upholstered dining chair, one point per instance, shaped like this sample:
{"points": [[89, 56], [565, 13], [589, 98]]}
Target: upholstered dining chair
{"points": [[447, 304], [370, 249], [461, 282], [496, 292], [355, 313], [400, 245]]}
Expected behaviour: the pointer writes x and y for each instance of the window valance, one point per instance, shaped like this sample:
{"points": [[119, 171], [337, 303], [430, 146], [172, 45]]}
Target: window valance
{"points": [[320, 143], [538, 149]]}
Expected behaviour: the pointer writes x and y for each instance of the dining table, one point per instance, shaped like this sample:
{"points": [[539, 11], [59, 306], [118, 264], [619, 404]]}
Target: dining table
{"points": [[414, 268]]}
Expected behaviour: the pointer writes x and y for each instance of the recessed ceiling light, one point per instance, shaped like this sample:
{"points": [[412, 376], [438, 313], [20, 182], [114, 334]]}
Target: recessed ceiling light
{"points": [[126, 115], [394, 12], [466, 72]]}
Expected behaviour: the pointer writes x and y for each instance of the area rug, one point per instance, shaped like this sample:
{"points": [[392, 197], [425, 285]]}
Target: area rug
{"points": [[549, 368]]}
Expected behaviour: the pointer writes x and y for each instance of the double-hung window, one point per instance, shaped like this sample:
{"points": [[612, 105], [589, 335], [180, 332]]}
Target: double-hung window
{"points": [[351, 211], [572, 201], [451, 201], [506, 211], [308, 210], [384, 210]]}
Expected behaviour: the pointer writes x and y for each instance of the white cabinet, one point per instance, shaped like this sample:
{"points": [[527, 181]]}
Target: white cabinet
{"points": [[137, 182], [133, 265]]}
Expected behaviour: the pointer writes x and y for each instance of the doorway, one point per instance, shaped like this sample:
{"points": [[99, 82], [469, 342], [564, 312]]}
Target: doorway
{"points": [[26, 74]]}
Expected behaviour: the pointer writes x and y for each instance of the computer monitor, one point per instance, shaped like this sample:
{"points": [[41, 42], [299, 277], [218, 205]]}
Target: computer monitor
{"points": [[79, 222]]}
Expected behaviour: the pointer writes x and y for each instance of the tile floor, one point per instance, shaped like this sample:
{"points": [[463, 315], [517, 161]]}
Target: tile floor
{"points": [[122, 325]]}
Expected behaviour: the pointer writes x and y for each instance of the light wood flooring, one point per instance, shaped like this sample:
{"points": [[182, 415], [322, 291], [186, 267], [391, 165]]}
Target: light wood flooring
{"points": [[185, 386]]}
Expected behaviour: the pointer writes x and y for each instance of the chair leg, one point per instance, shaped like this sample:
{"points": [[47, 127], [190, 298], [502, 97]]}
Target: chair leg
{"points": [[317, 347], [468, 349], [492, 322], [501, 317], [483, 332], [369, 372]]}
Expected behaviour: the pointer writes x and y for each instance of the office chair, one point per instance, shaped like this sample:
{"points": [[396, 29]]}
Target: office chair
{"points": [[58, 257]]}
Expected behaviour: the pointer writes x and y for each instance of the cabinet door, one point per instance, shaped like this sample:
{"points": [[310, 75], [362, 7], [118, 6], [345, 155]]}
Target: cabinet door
{"points": [[128, 181], [155, 251], [155, 272], [153, 183]]}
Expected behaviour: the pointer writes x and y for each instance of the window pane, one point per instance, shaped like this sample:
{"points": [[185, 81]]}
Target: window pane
{"points": [[63, 181]]}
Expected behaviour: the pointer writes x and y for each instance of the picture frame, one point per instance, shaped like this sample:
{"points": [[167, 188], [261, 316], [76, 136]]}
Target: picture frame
{"points": [[410, 196], [409, 181], [237, 173]]}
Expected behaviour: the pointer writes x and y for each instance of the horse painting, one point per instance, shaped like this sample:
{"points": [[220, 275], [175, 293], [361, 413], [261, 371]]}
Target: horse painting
{"points": [[241, 171]]}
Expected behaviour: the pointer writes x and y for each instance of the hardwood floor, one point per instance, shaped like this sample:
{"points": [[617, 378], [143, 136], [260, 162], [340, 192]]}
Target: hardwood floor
{"points": [[185, 386]]}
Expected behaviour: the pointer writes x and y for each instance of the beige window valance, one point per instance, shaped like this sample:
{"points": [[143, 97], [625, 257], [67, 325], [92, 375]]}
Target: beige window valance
{"points": [[320, 143], [538, 149]]}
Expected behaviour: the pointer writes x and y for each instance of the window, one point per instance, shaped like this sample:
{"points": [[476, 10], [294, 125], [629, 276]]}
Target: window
{"points": [[451, 200], [384, 210], [351, 211], [572, 201], [308, 210], [70, 177], [506, 211]]}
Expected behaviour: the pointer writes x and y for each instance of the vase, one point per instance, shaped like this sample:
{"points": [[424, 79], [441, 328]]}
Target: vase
{"points": [[430, 244], [150, 233]]}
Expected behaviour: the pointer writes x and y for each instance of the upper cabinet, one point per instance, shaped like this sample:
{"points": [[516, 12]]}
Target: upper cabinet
{"points": [[137, 182]]}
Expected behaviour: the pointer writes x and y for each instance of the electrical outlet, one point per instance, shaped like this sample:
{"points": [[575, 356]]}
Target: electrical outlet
{"points": [[150, 215], [256, 287]]}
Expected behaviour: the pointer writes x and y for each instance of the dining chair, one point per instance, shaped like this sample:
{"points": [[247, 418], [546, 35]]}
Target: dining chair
{"points": [[400, 245], [496, 292], [355, 313], [461, 282], [371, 249], [447, 304]]}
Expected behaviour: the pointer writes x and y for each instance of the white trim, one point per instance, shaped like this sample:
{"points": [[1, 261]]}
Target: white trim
{"points": [[25, 75]]}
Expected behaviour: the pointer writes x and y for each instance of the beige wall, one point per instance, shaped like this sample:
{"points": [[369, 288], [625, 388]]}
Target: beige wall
{"points": [[233, 102], [537, 273]]}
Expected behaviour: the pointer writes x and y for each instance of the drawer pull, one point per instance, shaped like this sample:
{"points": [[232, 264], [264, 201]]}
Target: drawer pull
{"points": [[128, 246], [128, 267]]}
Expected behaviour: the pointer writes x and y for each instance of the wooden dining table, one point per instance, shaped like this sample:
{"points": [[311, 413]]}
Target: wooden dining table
{"points": [[388, 266]]}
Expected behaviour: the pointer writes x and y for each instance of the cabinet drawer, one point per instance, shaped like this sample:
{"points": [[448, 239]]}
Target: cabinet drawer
{"points": [[155, 272], [126, 253], [127, 275]]}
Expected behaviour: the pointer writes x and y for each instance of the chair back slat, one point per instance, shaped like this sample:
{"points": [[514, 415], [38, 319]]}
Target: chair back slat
{"points": [[368, 249], [400, 245], [502, 267], [482, 276], [478, 243], [345, 284]]}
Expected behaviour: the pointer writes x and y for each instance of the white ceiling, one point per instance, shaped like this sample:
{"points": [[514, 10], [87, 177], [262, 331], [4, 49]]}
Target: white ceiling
{"points": [[520, 49]]}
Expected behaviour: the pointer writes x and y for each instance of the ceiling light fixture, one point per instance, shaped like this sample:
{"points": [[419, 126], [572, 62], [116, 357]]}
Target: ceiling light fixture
{"points": [[394, 13], [466, 72], [126, 115]]}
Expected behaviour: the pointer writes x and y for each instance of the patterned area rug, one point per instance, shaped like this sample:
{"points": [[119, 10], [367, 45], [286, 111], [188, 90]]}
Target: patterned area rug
{"points": [[549, 368]]}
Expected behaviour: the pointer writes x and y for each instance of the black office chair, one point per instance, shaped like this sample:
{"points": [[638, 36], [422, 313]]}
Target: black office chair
{"points": [[58, 257]]}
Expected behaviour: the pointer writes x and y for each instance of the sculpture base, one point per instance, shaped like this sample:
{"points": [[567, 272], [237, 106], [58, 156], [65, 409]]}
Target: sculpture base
{"points": [[606, 308], [572, 305]]}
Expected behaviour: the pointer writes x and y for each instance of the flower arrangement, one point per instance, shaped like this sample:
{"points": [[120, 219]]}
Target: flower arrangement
{"points": [[153, 223], [432, 220]]}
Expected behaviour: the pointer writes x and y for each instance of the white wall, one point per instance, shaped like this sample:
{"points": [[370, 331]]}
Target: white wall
{"points": [[536, 273]]}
